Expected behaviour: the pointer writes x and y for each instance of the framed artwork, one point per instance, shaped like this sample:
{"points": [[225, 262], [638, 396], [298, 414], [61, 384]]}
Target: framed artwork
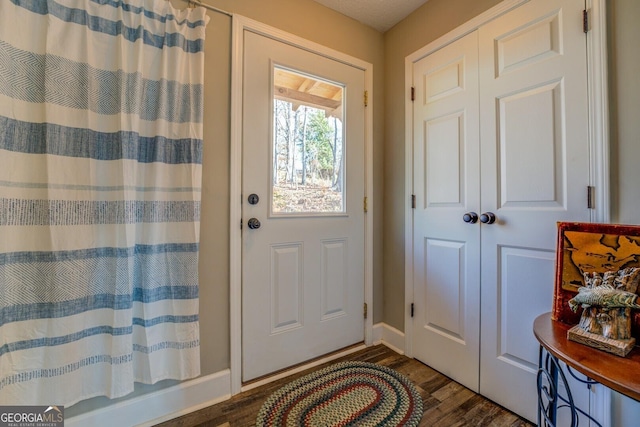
{"points": [[591, 248]]}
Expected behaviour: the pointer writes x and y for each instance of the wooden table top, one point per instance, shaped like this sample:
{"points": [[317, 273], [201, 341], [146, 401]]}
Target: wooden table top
{"points": [[621, 374]]}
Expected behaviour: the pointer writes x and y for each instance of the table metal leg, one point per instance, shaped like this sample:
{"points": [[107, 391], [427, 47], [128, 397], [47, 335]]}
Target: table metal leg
{"points": [[549, 397], [547, 390]]}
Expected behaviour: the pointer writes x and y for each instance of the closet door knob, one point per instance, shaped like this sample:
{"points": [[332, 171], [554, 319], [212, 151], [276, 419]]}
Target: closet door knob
{"points": [[488, 218], [470, 217]]}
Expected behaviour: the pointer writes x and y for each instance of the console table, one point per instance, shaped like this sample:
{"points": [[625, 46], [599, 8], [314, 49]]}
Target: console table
{"points": [[621, 374]]}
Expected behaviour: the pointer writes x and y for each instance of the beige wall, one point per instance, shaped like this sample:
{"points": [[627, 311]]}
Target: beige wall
{"points": [[434, 19], [624, 78]]}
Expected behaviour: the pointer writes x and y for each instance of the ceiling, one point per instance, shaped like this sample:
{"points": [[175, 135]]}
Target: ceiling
{"points": [[379, 14]]}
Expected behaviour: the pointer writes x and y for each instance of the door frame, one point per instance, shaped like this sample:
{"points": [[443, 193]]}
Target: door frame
{"points": [[239, 25], [599, 162]]}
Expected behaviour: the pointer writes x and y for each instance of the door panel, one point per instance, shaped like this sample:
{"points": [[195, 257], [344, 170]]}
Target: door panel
{"points": [[303, 268], [287, 287], [521, 272], [446, 167], [335, 278], [535, 170], [444, 303], [444, 145], [530, 148], [537, 40]]}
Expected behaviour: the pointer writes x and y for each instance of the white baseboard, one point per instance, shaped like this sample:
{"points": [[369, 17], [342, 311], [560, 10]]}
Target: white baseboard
{"points": [[160, 406], [389, 336]]}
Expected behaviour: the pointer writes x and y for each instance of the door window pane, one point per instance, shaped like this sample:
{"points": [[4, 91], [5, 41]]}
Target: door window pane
{"points": [[308, 145]]}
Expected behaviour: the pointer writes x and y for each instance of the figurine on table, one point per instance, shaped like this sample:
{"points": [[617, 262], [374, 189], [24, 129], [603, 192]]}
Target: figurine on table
{"points": [[607, 300]]}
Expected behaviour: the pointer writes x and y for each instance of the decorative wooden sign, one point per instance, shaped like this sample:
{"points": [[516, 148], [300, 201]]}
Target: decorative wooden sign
{"points": [[597, 275]]}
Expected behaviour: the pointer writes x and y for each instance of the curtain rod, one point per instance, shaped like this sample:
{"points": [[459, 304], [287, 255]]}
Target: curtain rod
{"points": [[206, 6]]}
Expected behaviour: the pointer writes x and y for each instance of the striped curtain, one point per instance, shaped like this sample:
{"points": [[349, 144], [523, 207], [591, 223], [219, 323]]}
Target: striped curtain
{"points": [[101, 109]]}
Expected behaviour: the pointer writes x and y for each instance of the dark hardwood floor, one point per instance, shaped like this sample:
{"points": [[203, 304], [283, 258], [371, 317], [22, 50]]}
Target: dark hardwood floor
{"points": [[446, 403]]}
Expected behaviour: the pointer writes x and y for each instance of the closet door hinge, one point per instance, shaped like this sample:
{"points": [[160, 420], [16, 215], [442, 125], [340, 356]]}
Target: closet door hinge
{"points": [[365, 310], [366, 205], [585, 21], [413, 201], [413, 93], [591, 197], [366, 98], [411, 309]]}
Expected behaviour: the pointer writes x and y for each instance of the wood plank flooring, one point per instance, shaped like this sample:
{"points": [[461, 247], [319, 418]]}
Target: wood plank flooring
{"points": [[446, 403]]}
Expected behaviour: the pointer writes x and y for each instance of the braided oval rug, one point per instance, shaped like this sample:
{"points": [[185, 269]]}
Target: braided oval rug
{"points": [[344, 394]]}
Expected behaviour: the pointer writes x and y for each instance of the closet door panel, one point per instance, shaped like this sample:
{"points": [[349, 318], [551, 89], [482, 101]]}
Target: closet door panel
{"points": [[530, 149]]}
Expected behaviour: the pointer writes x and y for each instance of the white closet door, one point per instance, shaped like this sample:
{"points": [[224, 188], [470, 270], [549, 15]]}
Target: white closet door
{"points": [[446, 184], [535, 172]]}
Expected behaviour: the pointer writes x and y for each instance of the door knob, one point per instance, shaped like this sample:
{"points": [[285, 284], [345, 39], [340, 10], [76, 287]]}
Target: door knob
{"points": [[470, 217], [488, 218], [253, 223]]}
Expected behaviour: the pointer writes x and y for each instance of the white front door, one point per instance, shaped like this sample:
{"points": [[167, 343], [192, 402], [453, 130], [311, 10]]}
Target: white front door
{"points": [[303, 181], [535, 172], [518, 153], [446, 186]]}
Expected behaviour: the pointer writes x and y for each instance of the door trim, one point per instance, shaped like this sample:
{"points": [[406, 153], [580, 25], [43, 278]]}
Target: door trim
{"points": [[239, 25], [598, 126]]}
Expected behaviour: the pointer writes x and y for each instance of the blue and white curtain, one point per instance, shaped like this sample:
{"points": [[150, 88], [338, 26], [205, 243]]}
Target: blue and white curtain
{"points": [[101, 105]]}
